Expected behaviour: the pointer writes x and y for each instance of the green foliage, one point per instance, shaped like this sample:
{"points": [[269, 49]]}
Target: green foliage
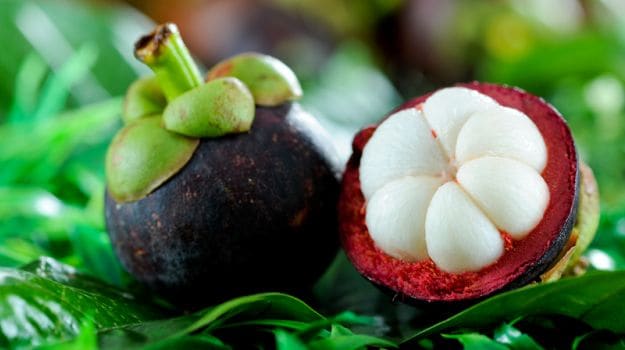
{"points": [[476, 341], [50, 301], [51, 180], [245, 321], [509, 335], [50, 304], [52, 32], [85, 340], [594, 298], [51, 186]]}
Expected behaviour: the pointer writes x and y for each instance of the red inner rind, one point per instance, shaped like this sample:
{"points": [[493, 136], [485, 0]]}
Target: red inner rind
{"points": [[423, 280]]}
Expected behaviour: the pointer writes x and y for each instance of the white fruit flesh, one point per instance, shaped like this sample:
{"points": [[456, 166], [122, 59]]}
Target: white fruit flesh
{"points": [[385, 211], [503, 132], [444, 181], [513, 195], [409, 149], [459, 236], [448, 109]]}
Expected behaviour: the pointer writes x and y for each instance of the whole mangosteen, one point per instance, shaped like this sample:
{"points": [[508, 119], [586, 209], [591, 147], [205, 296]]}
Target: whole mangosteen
{"points": [[465, 192], [221, 188]]}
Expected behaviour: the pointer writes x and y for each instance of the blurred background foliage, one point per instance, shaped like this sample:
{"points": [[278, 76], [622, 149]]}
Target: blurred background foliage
{"points": [[65, 65]]}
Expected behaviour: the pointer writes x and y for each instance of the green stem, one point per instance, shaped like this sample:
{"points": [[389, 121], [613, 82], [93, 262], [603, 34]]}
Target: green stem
{"points": [[165, 53]]}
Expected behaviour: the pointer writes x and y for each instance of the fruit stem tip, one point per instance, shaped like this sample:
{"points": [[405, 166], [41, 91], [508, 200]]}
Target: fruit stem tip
{"points": [[166, 54]]}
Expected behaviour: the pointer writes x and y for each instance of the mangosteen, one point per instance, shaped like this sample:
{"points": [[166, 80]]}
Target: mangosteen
{"points": [[230, 189], [463, 193]]}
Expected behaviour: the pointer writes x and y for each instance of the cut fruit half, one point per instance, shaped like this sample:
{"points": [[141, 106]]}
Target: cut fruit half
{"points": [[460, 193]]}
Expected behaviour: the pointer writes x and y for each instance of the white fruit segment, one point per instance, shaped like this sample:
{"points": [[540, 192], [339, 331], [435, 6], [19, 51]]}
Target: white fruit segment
{"points": [[458, 235], [442, 182], [504, 132], [448, 109], [512, 194], [402, 145], [399, 235]]}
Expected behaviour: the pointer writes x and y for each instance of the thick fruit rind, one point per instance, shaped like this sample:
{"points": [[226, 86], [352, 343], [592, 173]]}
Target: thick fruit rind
{"points": [[249, 212], [524, 260], [569, 262]]}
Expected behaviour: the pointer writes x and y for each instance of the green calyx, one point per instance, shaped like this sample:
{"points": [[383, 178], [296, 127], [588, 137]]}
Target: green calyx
{"points": [[270, 81], [219, 107], [587, 220], [142, 156], [165, 115], [144, 98], [570, 261]]}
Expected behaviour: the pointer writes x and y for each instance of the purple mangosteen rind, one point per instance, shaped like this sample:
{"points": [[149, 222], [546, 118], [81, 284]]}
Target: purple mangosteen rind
{"points": [[227, 189], [580, 215], [249, 212], [533, 275]]}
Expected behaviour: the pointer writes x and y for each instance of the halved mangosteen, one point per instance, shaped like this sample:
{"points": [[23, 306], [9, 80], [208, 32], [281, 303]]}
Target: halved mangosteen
{"points": [[461, 193], [228, 188]]}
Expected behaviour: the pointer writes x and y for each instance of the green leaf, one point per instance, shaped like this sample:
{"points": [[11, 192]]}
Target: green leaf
{"points": [[346, 317], [476, 341], [31, 73], [595, 298], [288, 341], [39, 157], [15, 251], [33, 202], [136, 336], [188, 342], [97, 255], [86, 340], [56, 89], [51, 301], [338, 330], [552, 61], [155, 335], [276, 305], [267, 310], [509, 335], [53, 270], [599, 340], [350, 342], [271, 323], [343, 288], [56, 39]]}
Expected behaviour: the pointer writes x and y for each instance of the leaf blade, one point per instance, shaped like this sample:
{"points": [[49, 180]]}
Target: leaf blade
{"points": [[476, 341], [573, 297], [267, 304], [350, 342], [52, 301]]}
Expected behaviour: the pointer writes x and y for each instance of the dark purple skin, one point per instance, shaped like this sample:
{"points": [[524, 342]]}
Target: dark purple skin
{"points": [[249, 212]]}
